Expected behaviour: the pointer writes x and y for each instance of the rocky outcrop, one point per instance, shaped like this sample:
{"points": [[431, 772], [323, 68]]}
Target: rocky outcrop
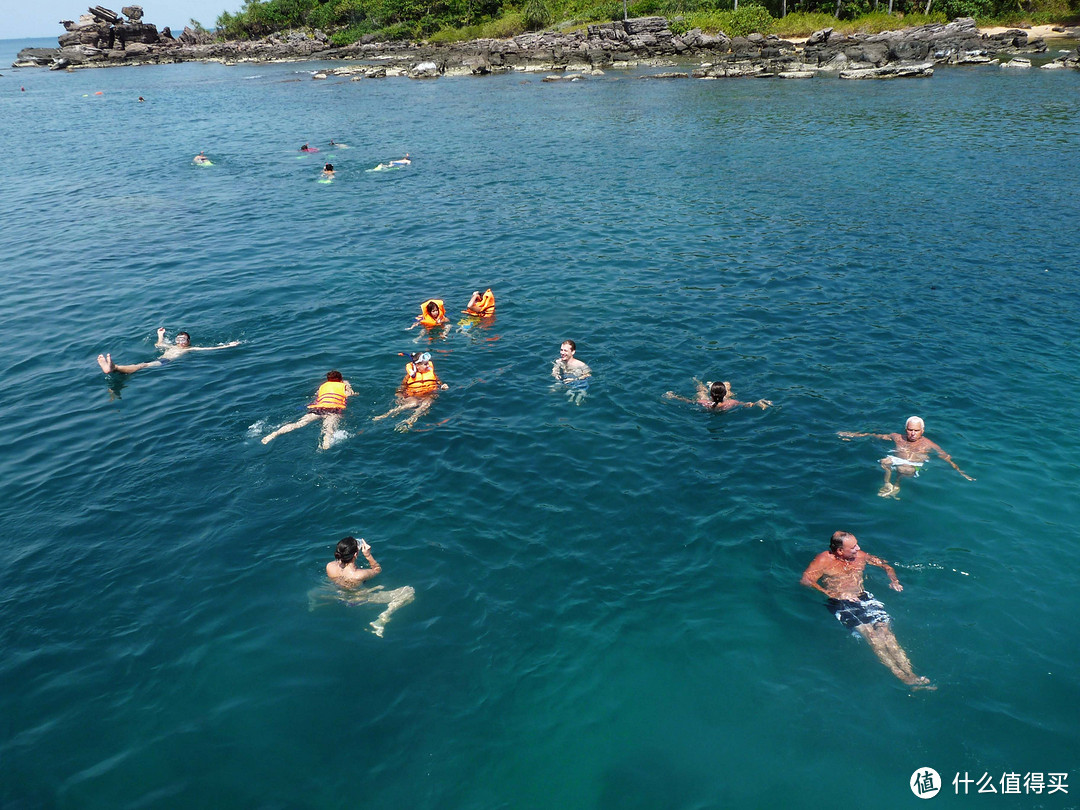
{"points": [[102, 38]]}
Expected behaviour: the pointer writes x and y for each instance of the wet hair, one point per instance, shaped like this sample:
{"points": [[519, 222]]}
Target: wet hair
{"points": [[571, 344], [432, 308], [334, 376], [185, 335], [836, 542], [718, 391], [347, 549], [916, 419], [329, 167]]}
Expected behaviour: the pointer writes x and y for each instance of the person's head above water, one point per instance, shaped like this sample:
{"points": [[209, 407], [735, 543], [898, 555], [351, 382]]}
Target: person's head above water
{"points": [[334, 376], [421, 358], [347, 549], [183, 339], [914, 427], [836, 543], [718, 390], [329, 167], [433, 309]]}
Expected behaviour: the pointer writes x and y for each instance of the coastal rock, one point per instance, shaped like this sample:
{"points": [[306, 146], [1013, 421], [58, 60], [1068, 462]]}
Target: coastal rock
{"points": [[35, 57], [924, 70], [1017, 62], [133, 13], [424, 70]]}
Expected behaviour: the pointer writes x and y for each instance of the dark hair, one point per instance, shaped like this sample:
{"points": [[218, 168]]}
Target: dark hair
{"points": [[718, 391], [836, 542], [329, 167], [571, 344], [347, 549], [185, 334], [432, 308], [334, 376]]}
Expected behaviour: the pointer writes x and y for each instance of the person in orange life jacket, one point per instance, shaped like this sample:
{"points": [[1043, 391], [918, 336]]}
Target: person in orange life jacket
{"points": [[482, 306], [416, 392], [329, 404], [432, 314]]}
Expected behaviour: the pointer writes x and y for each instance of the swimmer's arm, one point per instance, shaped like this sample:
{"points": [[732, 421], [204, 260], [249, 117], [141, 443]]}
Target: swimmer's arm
{"points": [[814, 572], [228, 345], [348, 390], [673, 395], [894, 583], [761, 403], [374, 570], [162, 343], [584, 372], [556, 370], [850, 434], [941, 453]]}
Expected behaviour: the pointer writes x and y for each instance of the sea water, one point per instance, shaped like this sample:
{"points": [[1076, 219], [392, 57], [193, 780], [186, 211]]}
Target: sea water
{"points": [[608, 611]]}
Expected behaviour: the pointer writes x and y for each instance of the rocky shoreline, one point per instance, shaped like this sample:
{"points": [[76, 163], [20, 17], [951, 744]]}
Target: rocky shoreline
{"points": [[102, 38]]}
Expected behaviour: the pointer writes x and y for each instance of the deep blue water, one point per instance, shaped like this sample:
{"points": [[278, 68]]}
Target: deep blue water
{"points": [[608, 609]]}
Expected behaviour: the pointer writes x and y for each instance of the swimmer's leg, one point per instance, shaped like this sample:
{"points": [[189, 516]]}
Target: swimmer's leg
{"points": [[421, 407], [401, 406], [306, 419], [106, 364], [394, 600], [884, 644], [330, 423], [888, 488]]}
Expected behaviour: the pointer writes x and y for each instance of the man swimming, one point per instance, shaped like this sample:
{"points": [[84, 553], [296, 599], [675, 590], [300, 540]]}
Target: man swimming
{"points": [[912, 451], [343, 572], [416, 392], [571, 372], [329, 405], [717, 397], [328, 171], [841, 568], [171, 351], [201, 160]]}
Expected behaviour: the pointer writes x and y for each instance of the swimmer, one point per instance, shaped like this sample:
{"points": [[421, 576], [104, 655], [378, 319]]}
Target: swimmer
{"points": [[338, 145], [571, 372], [329, 405], [716, 396], [912, 451], [481, 306], [402, 162], [416, 392], [306, 148], [328, 171], [170, 352], [343, 572], [201, 159], [432, 314], [842, 568]]}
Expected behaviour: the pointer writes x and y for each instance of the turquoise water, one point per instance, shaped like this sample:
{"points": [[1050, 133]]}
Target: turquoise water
{"points": [[608, 612]]}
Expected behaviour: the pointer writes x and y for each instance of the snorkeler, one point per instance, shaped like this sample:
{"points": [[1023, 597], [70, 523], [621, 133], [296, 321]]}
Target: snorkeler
{"points": [[329, 405], [171, 351], [343, 571], [328, 171], [482, 306], [716, 396], [416, 392], [842, 568], [432, 314], [306, 148], [911, 452]]}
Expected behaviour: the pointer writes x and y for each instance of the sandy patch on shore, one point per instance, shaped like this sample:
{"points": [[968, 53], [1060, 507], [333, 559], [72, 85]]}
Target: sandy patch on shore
{"points": [[1035, 32]]}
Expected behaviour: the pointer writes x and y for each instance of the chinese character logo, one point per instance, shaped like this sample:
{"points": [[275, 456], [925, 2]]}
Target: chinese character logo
{"points": [[925, 783]]}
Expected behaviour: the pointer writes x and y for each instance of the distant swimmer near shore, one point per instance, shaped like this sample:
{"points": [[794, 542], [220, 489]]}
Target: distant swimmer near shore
{"points": [[842, 568], [171, 351], [417, 391], [329, 405], [912, 451], [201, 160], [344, 572], [717, 396]]}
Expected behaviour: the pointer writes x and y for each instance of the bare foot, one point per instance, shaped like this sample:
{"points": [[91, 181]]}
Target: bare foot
{"points": [[377, 629], [889, 491], [922, 683], [403, 427], [106, 363]]}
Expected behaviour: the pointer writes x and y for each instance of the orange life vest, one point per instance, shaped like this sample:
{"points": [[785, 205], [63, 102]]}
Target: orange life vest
{"points": [[419, 383], [331, 397], [484, 307], [426, 319]]}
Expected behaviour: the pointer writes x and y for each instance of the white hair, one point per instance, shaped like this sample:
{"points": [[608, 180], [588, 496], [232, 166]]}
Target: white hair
{"points": [[917, 420]]}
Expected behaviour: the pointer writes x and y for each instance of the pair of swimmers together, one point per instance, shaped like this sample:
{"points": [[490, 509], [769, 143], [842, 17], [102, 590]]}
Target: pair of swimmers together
{"points": [[433, 310]]}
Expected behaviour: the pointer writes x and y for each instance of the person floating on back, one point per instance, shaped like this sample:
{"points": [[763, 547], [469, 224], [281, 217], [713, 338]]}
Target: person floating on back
{"points": [[170, 352], [841, 568], [344, 572], [911, 453], [432, 314], [329, 405], [717, 396], [482, 306], [416, 392]]}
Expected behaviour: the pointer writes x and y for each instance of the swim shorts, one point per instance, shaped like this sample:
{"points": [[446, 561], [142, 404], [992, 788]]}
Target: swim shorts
{"points": [[855, 612], [896, 461]]}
